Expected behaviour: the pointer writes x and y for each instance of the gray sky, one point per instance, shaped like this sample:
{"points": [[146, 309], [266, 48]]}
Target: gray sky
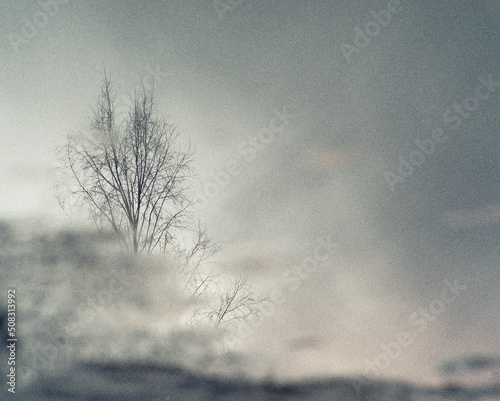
{"points": [[224, 76]]}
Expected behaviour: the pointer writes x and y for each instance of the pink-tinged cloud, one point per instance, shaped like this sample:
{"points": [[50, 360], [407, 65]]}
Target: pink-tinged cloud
{"points": [[470, 218], [334, 159]]}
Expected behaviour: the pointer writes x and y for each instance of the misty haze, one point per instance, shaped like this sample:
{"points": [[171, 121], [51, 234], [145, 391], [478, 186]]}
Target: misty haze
{"points": [[250, 200]]}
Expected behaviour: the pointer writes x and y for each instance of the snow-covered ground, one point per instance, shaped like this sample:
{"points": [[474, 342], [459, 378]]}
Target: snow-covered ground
{"points": [[96, 324]]}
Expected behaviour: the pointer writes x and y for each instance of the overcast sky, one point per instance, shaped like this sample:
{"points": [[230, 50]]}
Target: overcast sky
{"points": [[371, 124]]}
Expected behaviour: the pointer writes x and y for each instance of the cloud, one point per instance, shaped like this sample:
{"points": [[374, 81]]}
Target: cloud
{"points": [[471, 218], [335, 159], [305, 342], [468, 364]]}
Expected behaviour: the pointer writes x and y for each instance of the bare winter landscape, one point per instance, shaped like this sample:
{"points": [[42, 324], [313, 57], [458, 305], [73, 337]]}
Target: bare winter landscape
{"points": [[250, 200], [95, 324]]}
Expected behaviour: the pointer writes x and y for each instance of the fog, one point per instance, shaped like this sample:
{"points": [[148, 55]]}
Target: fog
{"points": [[347, 155]]}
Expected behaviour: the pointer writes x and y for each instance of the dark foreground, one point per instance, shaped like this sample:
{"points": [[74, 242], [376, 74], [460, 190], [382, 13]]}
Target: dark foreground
{"points": [[124, 382]]}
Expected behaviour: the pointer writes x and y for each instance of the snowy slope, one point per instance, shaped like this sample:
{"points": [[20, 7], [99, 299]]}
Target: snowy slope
{"points": [[95, 324]]}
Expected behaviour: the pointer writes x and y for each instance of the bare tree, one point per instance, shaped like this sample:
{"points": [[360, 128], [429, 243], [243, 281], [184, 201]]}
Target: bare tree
{"points": [[131, 175], [231, 301], [236, 302]]}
